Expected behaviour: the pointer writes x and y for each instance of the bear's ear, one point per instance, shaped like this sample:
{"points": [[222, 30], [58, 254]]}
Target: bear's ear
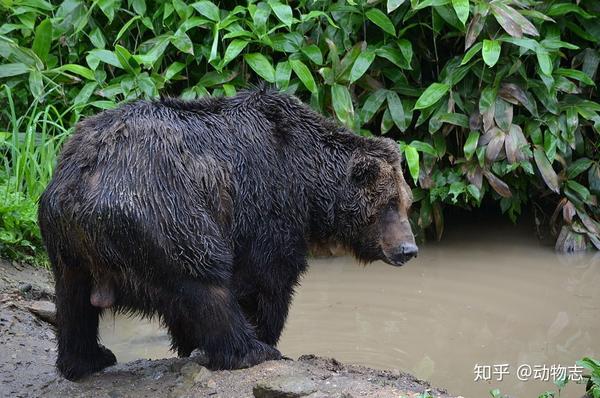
{"points": [[365, 170]]}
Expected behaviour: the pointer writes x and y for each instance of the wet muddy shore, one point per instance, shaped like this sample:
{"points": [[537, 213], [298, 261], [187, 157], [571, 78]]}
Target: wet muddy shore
{"points": [[28, 351]]}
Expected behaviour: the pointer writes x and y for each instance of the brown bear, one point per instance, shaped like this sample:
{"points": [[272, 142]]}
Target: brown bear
{"points": [[202, 213]]}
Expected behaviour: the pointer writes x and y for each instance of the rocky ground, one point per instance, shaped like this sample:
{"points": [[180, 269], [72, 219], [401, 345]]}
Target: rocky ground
{"points": [[27, 349]]}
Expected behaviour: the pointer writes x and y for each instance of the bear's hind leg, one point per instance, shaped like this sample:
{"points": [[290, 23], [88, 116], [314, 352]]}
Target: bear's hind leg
{"points": [[210, 316], [79, 353]]}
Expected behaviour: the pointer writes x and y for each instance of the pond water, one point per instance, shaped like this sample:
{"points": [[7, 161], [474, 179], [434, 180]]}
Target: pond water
{"points": [[488, 294]]}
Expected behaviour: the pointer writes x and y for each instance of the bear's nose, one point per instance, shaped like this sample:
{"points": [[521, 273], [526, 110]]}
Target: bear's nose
{"points": [[409, 250]]}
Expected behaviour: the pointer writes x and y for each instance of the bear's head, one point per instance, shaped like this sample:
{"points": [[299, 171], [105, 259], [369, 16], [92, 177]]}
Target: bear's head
{"points": [[374, 212]]}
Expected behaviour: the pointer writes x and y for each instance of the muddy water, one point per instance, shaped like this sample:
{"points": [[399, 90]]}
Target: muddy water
{"points": [[487, 295]]}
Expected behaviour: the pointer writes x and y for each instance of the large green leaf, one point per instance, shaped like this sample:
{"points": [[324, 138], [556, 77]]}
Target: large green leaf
{"points": [[233, 49], [412, 159], [461, 7], [261, 65], [42, 39], [491, 52], [342, 104], [15, 69], [380, 19], [361, 65], [304, 74], [282, 11], [208, 9], [432, 95]]}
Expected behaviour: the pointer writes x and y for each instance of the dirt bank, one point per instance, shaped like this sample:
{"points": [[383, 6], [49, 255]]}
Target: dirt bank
{"points": [[27, 349]]}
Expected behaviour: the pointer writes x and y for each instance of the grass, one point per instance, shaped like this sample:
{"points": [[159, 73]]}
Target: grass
{"points": [[28, 148]]}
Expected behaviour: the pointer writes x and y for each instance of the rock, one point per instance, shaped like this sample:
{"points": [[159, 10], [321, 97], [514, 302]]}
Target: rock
{"points": [[25, 287], [45, 310], [285, 387]]}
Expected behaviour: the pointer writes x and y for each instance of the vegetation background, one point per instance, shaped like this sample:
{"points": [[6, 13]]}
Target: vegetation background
{"points": [[490, 101]]}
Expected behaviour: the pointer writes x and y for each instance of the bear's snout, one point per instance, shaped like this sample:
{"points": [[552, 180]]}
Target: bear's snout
{"points": [[403, 253]]}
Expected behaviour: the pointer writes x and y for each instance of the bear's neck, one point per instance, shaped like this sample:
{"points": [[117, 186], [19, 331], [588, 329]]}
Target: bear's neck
{"points": [[329, 176]]}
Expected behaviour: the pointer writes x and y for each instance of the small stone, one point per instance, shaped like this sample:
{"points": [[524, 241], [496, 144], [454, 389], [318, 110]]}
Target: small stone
{"points": [[285, 387], [25, 287], [202, 375], [210, 384], [190, 370], [45, 310]]}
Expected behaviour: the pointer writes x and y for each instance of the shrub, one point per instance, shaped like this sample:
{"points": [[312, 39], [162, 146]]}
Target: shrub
{"points": [[490, 100]]}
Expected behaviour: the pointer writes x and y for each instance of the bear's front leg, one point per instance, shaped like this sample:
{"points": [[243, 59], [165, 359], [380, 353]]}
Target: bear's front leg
{"points": [[266, 301], [207, 316]]}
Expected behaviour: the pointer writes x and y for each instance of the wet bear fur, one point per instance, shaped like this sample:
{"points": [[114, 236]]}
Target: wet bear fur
{"points": [[202, 213]]}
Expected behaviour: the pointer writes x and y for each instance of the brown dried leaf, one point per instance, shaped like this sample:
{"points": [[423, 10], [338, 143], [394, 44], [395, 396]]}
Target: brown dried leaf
{"points": [[568, 212], [503, 114], [475, 121], [514, 94], [497, 184], [591, 225], [510, 146], [474, 29], [506, 21], [495, 146], [488, 118], [548, 174], [475, 176]]}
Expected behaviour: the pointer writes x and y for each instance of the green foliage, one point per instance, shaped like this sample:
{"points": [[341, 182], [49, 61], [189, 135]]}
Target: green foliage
{"points": [[489, 100], [593, 384]]}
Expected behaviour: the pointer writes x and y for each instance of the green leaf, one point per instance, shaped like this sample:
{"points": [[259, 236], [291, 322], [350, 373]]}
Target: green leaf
{"points": [[313, 52], [491, 52], [78, 70], [183, 42], [282, 11], [576, 75], [461, 7], [471, 144], [261, 65], [562, 9], [578, 167], [471, 53], [105, 56], [548, 174], [432, 95], [283, 72], [594, 179], [208, 9], [233, 49], [362, 63], [579, 189], [139, 6], [173, 70], [97, 38], [126, 27], [393, 4], [42, 39], [412, 159], [35, 83], [424, 147], [342, 104], [126, 60], [380, 19], [544, 60], [304, 74], [396, 110], [7, 70], [372, 105]]}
